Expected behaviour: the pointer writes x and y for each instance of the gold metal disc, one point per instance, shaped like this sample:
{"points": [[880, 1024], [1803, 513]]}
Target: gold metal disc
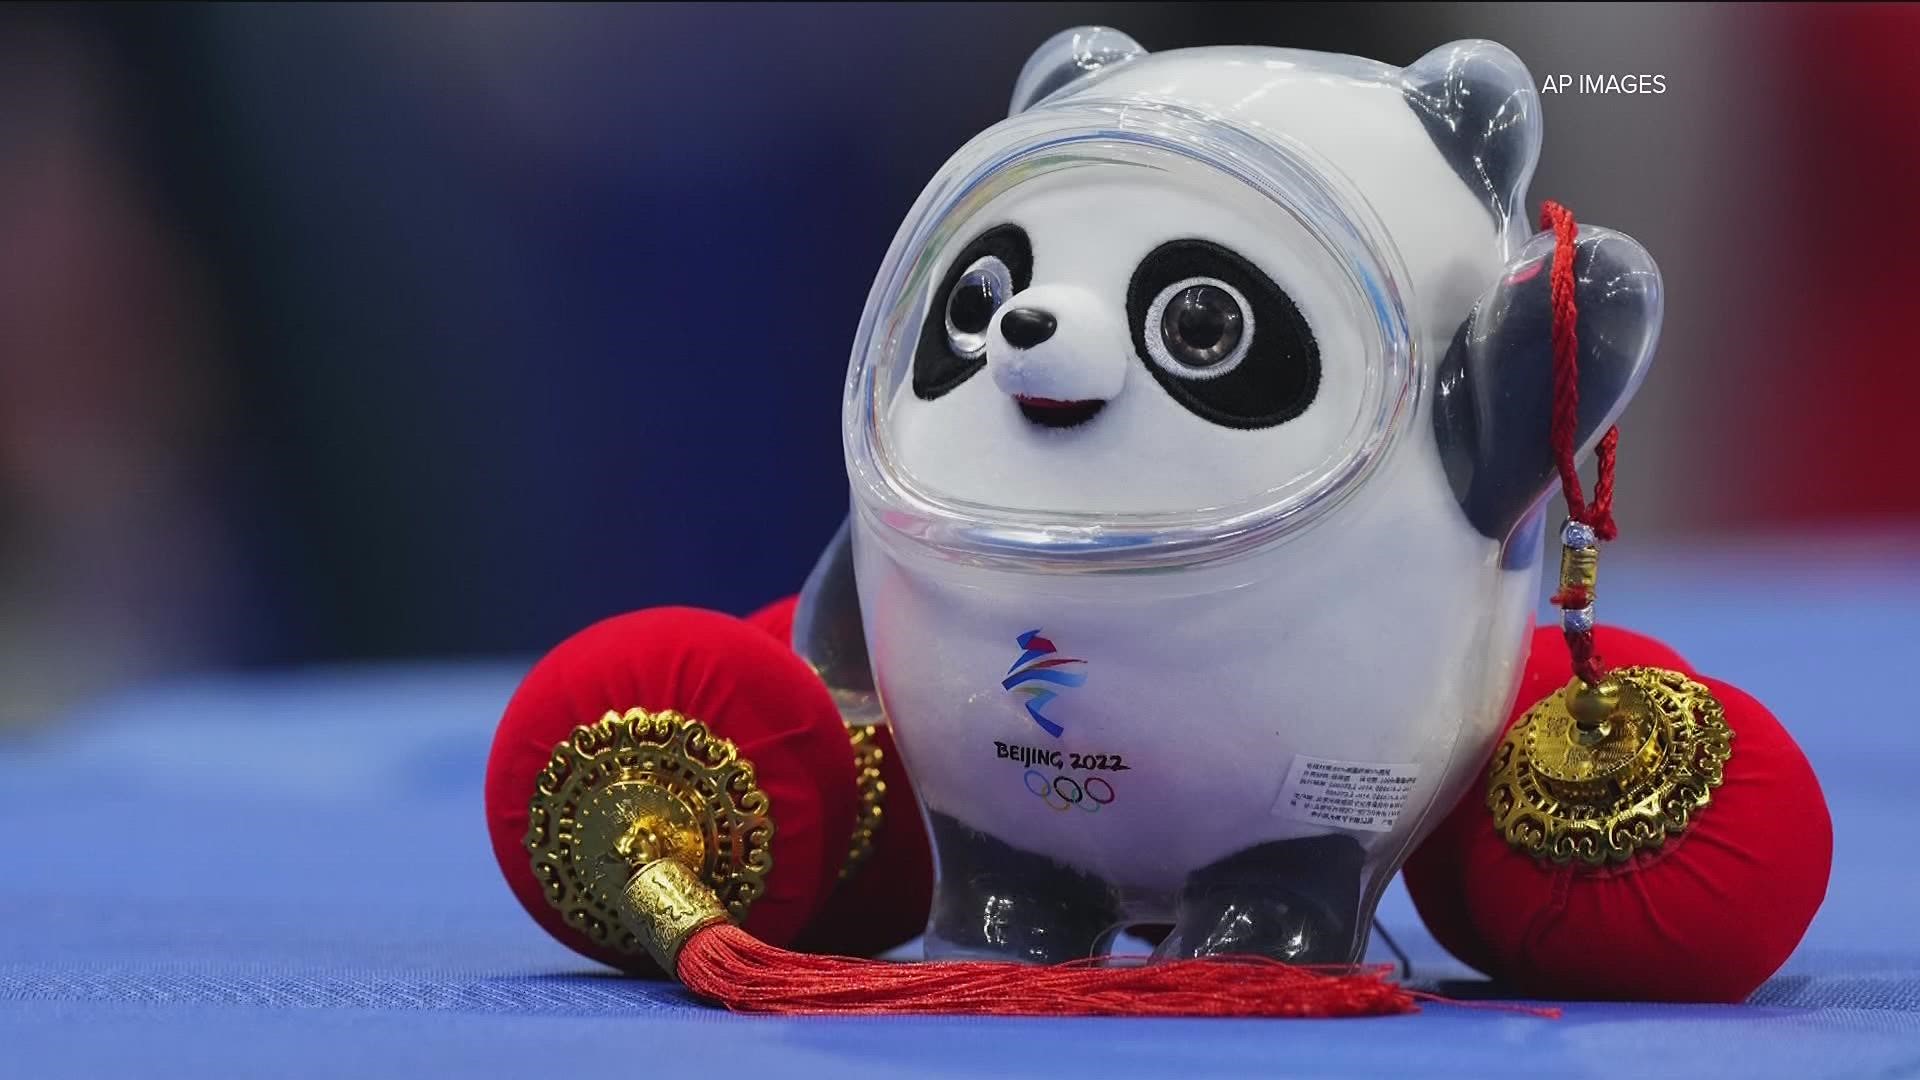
{"points": [[634, 789], [1596, 774], [867, 759]]}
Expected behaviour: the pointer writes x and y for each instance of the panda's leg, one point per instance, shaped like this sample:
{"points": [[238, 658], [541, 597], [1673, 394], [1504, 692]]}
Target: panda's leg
{"points": [[994, 901], [1293, 900]]}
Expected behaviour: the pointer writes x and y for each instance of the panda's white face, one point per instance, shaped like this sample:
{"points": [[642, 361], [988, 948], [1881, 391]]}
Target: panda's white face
{"points": [[1125, 338]]}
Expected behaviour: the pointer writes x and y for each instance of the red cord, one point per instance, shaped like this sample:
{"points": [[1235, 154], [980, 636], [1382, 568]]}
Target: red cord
{"points": [[1566, 427], [1566, 384]]}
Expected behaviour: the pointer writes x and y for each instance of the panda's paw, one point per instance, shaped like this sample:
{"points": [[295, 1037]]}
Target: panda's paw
{"points": [[1292, 900], [996, 902]]}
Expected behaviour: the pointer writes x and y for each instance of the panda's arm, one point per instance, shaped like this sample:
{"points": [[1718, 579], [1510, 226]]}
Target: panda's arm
{"points": [[1493, 398], [829, 634]]}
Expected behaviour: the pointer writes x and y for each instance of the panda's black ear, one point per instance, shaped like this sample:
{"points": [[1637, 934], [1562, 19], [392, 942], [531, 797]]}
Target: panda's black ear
{"points": [[1493, 397], [1066, 58], [1480, 109]]}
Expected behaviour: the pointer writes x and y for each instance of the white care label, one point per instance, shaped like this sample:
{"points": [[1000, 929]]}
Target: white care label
{"points": [[1346, 794]]}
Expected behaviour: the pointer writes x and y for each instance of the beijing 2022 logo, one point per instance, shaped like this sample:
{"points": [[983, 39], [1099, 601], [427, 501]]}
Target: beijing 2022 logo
{"points": [[1039, 669]]}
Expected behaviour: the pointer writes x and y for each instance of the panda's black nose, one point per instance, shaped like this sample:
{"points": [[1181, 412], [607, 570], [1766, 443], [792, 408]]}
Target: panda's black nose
{"points": [[1026, 327]]}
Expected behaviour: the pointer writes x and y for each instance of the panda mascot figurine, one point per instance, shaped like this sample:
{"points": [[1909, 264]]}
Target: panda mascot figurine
{"points": [[1197, 436]]}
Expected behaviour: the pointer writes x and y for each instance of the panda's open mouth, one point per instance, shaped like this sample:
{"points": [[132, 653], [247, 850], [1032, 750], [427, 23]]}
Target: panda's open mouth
{"points": [[1051, 412]]}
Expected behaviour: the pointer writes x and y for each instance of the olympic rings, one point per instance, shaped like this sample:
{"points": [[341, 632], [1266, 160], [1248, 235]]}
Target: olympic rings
{"points": [[1064, 791]]}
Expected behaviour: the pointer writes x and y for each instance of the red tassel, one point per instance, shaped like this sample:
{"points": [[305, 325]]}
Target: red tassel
{"points": [[729, 966]]}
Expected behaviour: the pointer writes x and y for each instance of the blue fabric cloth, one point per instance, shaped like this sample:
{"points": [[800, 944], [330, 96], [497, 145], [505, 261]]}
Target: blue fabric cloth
{"points": [[289, 875]]}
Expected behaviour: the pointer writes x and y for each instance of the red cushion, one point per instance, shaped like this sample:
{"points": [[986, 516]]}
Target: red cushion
{"points": [[1435, 876], [1707, 917], [742, 684], [885, 903]]}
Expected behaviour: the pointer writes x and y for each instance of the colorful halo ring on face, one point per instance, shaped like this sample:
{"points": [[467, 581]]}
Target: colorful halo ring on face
{"points": [[1089, 131]]}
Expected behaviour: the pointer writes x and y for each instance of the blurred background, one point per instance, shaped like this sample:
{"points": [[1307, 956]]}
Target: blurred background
{"points": [[348, 333]]}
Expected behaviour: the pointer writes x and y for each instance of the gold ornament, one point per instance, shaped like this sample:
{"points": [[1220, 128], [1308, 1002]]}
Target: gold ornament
{"points": [[867, 758], [671, 904], [1597, 773], [1579, 565], [624, 799]]}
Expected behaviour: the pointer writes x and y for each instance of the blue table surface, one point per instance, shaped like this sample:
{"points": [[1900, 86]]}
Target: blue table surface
{"points": [[288, 874]]}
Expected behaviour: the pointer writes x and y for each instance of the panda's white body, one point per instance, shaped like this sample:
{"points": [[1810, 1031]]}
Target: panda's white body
{"points": [[1346, 673], [1385, 634]]}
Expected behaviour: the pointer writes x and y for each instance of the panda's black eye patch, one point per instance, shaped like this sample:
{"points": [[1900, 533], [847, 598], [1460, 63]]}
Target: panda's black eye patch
{"points": [[1221, 338], [952, 347]]}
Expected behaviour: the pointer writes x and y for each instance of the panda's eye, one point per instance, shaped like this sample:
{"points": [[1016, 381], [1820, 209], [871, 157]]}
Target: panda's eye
{"points": [[1198, 328], [1220, 337], [970, 306], [953, 336]]}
